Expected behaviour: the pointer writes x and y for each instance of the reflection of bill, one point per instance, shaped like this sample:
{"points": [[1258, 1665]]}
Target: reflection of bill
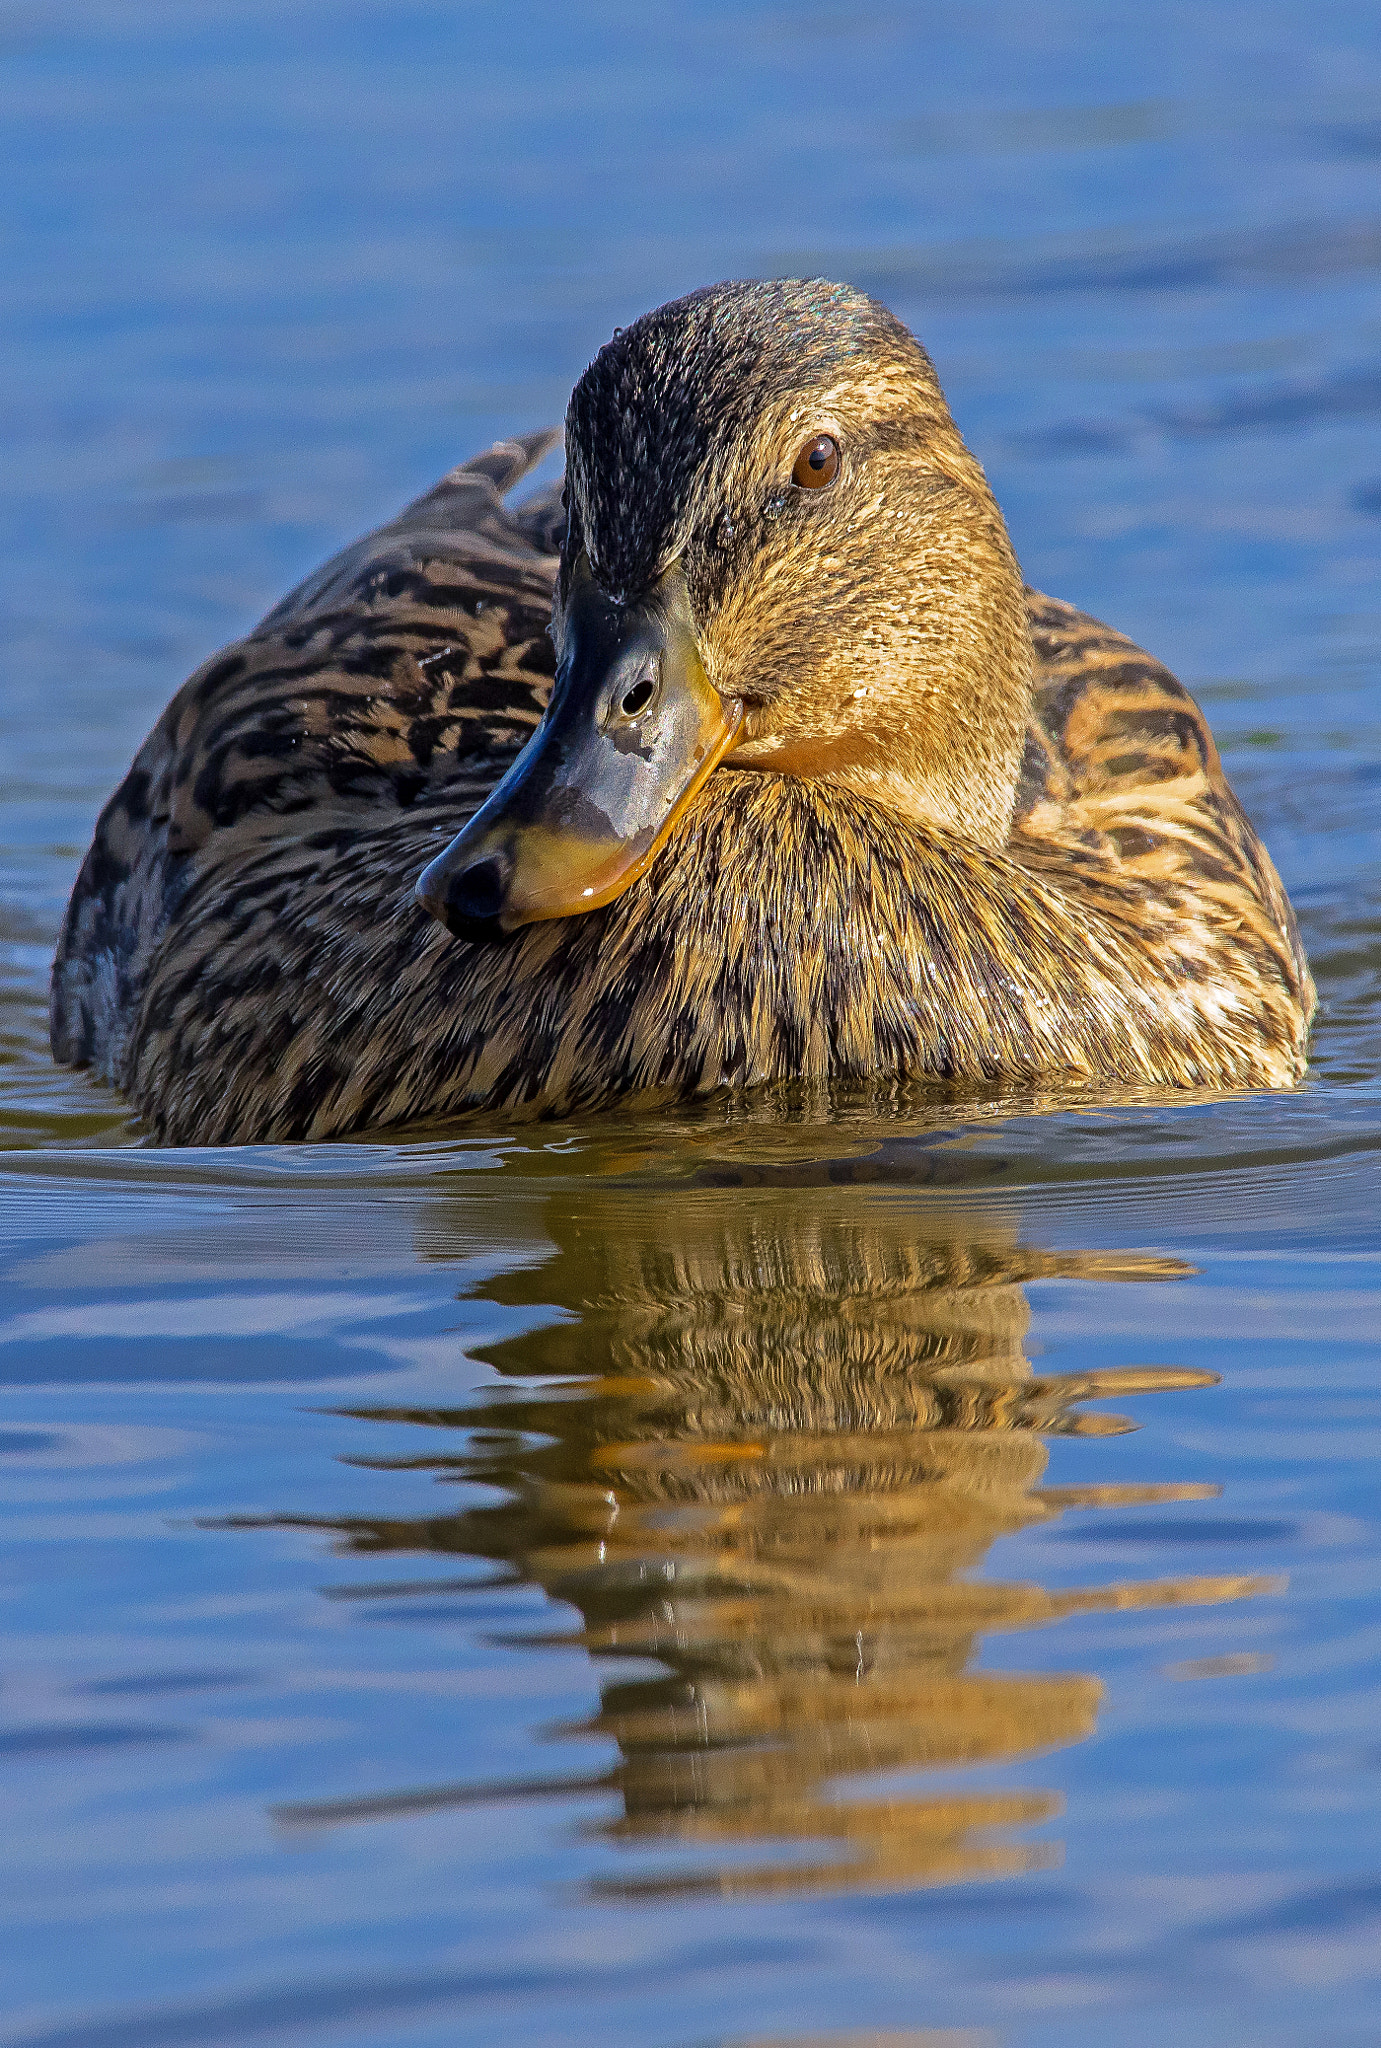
{"points": [[793, 1420]]}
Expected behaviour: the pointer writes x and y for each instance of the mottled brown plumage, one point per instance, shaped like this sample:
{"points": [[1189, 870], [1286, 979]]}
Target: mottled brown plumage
{"points": [[986, 836]]}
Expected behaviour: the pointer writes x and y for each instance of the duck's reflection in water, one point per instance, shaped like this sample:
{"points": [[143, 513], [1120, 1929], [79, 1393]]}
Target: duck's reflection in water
{"points": [[772, 1449]]}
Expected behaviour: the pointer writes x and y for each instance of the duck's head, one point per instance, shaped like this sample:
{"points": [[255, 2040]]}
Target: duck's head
{"points": [[779, 556]]}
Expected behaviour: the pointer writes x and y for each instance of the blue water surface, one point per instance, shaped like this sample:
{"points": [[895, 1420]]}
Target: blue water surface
{"points": [[902, 1575]]}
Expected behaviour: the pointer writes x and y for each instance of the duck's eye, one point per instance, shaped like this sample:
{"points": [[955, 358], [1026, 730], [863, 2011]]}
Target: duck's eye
{"points": [[637, 699], [817, 463]]}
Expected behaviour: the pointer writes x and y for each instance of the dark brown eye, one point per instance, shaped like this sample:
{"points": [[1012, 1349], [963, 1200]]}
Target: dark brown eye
{"points": [[817, 463]]}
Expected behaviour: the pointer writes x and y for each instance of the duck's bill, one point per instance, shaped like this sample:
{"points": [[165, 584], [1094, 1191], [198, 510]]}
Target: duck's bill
{"points": [[632, 730]]}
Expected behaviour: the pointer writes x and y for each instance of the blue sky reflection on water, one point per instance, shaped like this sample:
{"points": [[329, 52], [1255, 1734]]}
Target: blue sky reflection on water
{"points": [[384, 1664]]}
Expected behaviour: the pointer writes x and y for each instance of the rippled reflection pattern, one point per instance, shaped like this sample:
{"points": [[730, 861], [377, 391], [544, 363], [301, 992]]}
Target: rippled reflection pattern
{"points": [[770, 1451]]}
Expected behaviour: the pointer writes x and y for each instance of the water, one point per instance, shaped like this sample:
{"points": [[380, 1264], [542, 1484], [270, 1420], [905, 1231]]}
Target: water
{"points": [[906, 1574]]}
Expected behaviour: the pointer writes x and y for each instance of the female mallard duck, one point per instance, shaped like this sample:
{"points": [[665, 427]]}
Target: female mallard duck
{"points": [[818, 791]]}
